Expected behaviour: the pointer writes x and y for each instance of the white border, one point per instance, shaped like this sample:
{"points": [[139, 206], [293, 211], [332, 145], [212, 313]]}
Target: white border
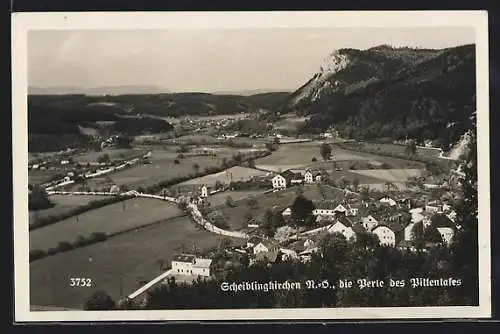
{"points": [[22, 22]]}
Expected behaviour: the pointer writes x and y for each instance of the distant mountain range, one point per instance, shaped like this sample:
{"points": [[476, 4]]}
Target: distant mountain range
{"points": [[133, 90], [103, 90]]}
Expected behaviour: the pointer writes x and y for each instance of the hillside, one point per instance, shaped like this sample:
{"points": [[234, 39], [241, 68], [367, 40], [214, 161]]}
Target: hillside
{"points": [[392, 93]]}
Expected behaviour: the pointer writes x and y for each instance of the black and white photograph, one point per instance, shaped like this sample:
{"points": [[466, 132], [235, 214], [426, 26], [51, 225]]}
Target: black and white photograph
{"points": [[251, 165]]}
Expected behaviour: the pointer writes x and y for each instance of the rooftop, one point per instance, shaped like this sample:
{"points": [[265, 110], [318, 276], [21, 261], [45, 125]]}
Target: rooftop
{"points": [[184, 258], [202, 263]]}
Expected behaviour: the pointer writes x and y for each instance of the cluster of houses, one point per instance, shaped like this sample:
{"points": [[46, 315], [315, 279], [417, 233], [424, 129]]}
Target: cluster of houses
{"points": [[351, 219], [288, 178]]}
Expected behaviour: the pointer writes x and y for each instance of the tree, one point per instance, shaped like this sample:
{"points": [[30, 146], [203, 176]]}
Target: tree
{"points": [[99, 300], [355, 184], [411, 148], [123, 142], [301, 208], [251, 163], [38, 199], [104, 158], [465, 247], [389, 186], [343, 182], [229, 201], [252, 202], [196, 168], [325, 151]]}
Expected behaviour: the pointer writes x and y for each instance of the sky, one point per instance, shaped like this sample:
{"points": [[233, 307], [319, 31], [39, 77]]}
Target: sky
{"points": [[208, 60]]}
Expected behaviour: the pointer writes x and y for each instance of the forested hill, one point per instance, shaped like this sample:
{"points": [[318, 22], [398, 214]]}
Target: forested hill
{"points": [[391, 92]]}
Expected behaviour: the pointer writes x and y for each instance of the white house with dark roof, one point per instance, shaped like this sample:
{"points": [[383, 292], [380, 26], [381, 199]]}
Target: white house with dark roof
{"points": [[385, 235], [182, 264], [267, 245], [308, 177], [343, 226], [279, 182], [387, 200]]}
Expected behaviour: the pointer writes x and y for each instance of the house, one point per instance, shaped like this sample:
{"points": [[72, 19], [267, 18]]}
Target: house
{"points": [[340, 209], [408, 231], [201, 267], [369, 223], [114, 189], [269, 257], [253, 241], [317, 177], [297, 178], [279, 182], [64, 162], [344, 226], [388, 200], [407, 245], [308, 177], [399, 231], [288, 254], [385, 235], [287, 212], [452, 216], [441, 220], [203, 192], [351, 210], [326, 208], [183, 264], [447, 234], [267, 245], [432, 208]]}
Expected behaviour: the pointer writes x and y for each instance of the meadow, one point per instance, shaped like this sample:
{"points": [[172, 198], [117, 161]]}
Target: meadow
{"points": [[62, 204], [219, 199], [40, 176], [390, 175], [118, 266], [114, 154], [233, 174], [109, 219]]}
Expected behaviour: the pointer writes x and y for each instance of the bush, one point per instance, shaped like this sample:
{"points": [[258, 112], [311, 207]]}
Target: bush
{"points": [[36, 254], [97, 237], [51, 251], [314, 159], [64, 246], [176, 161]]}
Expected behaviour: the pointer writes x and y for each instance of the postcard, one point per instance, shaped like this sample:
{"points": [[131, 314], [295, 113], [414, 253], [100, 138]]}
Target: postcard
{"points": [[231, 166]]}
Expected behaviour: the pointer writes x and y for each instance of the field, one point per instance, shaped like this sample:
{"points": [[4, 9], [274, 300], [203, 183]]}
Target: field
{"points": [[234, 174], [108, 219], [114, 154], [399, 149], [390, 175], [40, 176], [302, 154], [162, 168], [219, 199], [63, 204], [119, 263]]}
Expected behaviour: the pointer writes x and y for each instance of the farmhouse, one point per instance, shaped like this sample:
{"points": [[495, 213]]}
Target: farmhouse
{"points": [[265, 246], [325, 208], [344, 226], [385, 235], [408, 232], [287, 212], [201, 267], [188, 264], [279, 182], [253, 241], [183, 264], [310, 176]]}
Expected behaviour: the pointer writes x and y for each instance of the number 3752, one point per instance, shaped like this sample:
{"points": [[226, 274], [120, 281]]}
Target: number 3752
{"points": [[80, 282]]}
